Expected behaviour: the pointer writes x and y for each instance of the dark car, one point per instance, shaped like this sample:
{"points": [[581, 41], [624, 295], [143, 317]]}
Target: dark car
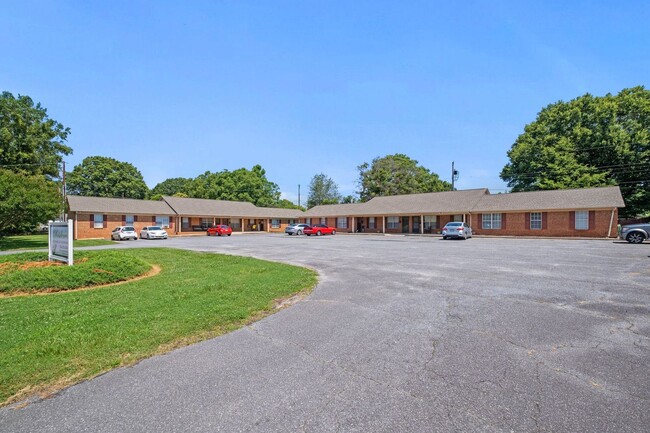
{"points": [[219, 230], [635, 233], [456, 230], [319, 229]]}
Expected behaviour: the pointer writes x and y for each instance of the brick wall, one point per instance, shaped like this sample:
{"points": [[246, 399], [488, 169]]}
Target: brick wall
{"points": [[84, 227], [554, 224]]}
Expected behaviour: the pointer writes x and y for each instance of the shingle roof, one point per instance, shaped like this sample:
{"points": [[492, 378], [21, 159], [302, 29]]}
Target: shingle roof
{"points": [[274, 212], [207, 207], [562, 199], [78, 203], [446, 202]]}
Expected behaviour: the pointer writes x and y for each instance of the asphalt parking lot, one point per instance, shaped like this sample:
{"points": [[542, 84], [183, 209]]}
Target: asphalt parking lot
{"points": [[402, 334]]}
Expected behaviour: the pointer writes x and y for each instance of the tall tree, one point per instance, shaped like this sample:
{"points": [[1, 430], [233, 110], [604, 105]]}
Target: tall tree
{"points": [[30, 142], [397, 174], [100, 176], [322, 190], [171, 186], [240, 185], [586, 142], [25, 201]]}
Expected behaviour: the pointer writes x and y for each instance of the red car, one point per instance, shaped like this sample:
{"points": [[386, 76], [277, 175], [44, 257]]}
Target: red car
{"points": [[219, 230], [319, 229]]}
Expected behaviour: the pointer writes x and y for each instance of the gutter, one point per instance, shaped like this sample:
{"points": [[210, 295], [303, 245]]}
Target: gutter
{"points": [[611, 222]]}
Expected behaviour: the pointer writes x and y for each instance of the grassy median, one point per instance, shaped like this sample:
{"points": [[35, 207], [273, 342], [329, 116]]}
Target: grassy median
{"points": [[51, 341]]}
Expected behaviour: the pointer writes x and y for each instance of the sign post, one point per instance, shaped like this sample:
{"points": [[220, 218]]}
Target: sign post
{"points": [[60, 242]]}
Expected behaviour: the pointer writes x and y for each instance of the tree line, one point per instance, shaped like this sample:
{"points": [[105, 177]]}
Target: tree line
{"points": [[586, 142]]}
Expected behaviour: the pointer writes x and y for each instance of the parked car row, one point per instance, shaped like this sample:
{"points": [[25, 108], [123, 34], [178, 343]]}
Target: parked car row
{"points": [[634, 233], [307, 229], [123, 233]]}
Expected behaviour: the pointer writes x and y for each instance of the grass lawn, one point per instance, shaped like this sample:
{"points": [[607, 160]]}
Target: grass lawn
{"points": [[27, 242], [51, 341]]}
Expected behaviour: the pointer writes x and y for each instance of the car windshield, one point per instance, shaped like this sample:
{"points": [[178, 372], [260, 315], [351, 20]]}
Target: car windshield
{"points": [[154, 228], [224, 227], [128, 229]]}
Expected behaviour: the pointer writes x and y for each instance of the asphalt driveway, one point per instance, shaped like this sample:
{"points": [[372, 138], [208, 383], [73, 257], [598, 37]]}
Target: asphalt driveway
{"points": [[402, 334]]}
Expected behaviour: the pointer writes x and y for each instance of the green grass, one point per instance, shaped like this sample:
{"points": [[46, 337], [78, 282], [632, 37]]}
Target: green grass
{"points": [[51, 341], [29, 242], [18, 272]]}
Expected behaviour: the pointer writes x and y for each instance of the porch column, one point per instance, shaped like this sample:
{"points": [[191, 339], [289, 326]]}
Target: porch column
{"points": [[354, 227], [421, 224], [383, 224], [242, 224], [268, 225]]}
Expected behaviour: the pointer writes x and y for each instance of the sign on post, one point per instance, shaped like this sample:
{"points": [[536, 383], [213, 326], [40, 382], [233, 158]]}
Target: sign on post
{"points": [[60, 242]]}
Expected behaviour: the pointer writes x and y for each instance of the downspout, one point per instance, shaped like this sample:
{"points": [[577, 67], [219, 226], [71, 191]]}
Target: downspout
{"points": [[611, 222]]}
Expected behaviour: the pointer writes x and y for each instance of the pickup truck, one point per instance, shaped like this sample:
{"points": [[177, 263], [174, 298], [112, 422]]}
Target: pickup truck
{"points": [[635, 233]]}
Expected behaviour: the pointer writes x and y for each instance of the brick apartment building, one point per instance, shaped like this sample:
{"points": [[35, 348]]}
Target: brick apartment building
{"points": [[586, 212]]}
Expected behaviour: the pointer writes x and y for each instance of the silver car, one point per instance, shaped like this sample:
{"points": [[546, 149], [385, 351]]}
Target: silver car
{"points": [[121, 233], [635, 233], [456, 230], [296, 229], [153, 232]]}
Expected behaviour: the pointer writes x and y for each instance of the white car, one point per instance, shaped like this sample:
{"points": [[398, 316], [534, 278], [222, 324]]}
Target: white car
{"points": [[456, 230], [153, 232], [121, 233]]}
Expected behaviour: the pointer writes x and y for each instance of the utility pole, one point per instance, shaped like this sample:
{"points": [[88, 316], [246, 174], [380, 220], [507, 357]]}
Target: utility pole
{"points": [[298, 194], [454, 176]]}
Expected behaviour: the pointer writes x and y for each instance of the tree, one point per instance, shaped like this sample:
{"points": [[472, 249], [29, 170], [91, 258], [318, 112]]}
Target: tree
{"points": [[397, 174], [25, 201], [322, 190], [348, 199], [287, 204], [30, 142], [240, 185], [172, 186], [100, 176], [587, 142]]}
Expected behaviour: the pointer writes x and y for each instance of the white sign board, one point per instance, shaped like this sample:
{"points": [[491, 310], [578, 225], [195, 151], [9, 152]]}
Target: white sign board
{"points": [[60, 242]]}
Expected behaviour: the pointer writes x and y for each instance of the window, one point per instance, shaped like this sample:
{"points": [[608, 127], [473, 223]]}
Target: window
{"points": [[582, 220], [430, 223], [292, 221], [235, 223], [392, 222], [535, 220], [98, 220], [308, 221], [275, 223], [185, 223], [457, 218], [323, 220], [491, 221], [371, 223], [129, 220], [162, 221], [341, 223]]}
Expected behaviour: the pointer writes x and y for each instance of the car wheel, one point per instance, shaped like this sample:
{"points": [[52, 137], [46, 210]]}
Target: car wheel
{"points": [[318, 233], [635, 238], [229, 234], [444, 238], [299, 232], [333, 232], [219, 234], [207, 233]]}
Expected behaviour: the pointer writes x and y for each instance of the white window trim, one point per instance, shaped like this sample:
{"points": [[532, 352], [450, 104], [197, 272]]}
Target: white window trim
{"points": [[98, 223], [536, 220], [582, 223]]}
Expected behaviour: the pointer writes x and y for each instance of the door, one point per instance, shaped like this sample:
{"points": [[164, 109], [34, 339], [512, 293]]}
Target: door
{"points": [[405, 224], [416, 224]]}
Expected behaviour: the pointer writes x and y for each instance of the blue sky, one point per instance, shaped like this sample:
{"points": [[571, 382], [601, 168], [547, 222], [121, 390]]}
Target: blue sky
{"points": [[304, 87]]}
